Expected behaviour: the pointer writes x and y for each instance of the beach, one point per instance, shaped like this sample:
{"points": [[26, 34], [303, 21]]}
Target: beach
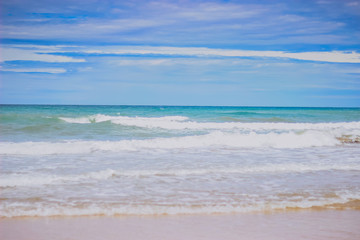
{"points": [[179, 120], [314, 225], [159, 172]]}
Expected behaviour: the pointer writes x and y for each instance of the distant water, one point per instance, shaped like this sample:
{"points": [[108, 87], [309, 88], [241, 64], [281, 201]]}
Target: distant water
{"points": [[154, 160]]}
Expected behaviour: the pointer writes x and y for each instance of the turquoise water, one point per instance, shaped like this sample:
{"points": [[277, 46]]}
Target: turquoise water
{"points": [[154, 160], [46, 122]]}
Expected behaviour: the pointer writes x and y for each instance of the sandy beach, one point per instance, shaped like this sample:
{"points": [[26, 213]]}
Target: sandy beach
{"points": [[89, 172], [179, 120], [319, 225]]}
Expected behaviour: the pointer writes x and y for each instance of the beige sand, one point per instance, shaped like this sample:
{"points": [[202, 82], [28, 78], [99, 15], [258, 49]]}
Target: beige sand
{"points": [[291, 225]]}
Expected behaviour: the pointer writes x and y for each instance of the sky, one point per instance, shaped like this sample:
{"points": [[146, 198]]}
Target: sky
{"points": [[233, 53]]}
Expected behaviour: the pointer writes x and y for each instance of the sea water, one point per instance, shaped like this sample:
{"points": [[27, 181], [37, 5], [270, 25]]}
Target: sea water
{"points": [[155, 160]]}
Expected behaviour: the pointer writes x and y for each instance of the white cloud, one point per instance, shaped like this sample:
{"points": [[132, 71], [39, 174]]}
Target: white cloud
{"points": [[93, 28], [333, 56], [43, 53], [189, 22], [42, 48], [14, 54], [352, 4], [34, 70], [173, 61], [212, 11], [129, 62]]}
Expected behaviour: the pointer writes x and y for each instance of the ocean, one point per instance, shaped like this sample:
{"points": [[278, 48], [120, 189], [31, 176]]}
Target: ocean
{"points": [[62, 160]]}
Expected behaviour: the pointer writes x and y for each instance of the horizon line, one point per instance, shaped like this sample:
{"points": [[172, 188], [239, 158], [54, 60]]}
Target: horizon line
{"points": [[161, 105]]}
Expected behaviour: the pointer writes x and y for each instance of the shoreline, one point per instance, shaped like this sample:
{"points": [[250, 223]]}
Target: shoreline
{"points": [[317, 225], [351, 205]]}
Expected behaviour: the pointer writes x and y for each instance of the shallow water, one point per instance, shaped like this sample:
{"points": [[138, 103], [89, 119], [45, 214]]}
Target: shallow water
{"points": [[138, 160]]}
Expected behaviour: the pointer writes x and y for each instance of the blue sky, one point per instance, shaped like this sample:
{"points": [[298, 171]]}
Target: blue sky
{"points": [[243, 53]]}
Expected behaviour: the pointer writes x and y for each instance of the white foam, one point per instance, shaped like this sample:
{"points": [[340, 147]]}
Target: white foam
{"points": [[13, 210], [145, 122], [214, 140], [15, 180], [18, 180], [44, 209], [182, 123]]}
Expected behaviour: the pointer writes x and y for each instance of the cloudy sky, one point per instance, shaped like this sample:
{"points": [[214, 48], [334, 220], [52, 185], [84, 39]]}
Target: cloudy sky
{"points": [[244, 53]]}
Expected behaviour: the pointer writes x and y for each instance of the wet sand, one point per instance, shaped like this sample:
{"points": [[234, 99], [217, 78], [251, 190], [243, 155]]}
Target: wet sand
{"points": [[289, 225]]}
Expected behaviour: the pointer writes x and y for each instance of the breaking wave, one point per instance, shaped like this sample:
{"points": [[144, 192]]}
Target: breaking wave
{"points": [[214, 140], [147, 122], [17, 180], [19, 209], [181, 123]]}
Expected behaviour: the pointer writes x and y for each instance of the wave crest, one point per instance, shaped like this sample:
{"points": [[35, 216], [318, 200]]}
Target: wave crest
{"points": [[147, 122], [16, 180], [182, 123], [17, 209], [214, 140]]}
